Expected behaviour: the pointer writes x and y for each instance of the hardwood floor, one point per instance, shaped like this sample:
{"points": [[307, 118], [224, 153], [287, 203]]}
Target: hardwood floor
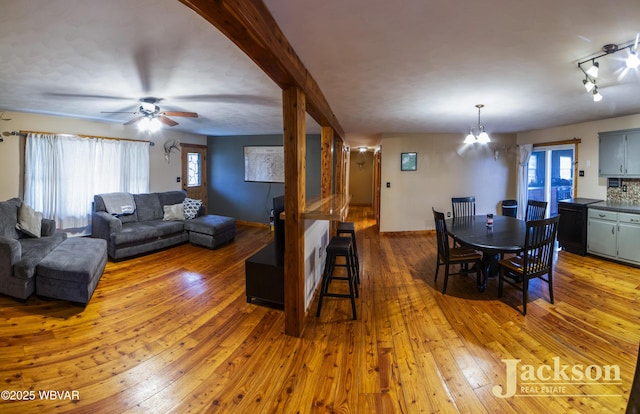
{"points": [[172, 332]]}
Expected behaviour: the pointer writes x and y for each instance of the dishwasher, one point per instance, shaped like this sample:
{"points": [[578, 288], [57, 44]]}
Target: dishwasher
{"points": [[572, 229]]}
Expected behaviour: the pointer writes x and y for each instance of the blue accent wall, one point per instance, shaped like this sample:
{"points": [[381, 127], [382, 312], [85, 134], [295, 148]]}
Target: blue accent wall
{"points": [[229, 195]]}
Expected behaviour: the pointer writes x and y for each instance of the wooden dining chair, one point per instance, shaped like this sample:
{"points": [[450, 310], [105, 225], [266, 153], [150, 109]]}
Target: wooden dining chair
{"points": [[448, 256], [463, 206], [536, 210], [536, 260]]}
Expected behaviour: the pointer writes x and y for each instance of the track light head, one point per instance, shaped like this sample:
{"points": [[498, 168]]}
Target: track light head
{"points": [[596, 95], [588, 84], [593, 70]]}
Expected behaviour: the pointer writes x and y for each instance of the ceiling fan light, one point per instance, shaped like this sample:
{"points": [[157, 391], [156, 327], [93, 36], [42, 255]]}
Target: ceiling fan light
{"points": [[593, 70], [154, 125], [483, 138], [143, 124], [588, 85], [470, 139], [632, 60]]}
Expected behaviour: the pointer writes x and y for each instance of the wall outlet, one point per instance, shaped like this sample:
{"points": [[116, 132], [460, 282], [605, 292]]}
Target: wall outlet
{"points": [[448, 214], [624, 188], [177, 179]]}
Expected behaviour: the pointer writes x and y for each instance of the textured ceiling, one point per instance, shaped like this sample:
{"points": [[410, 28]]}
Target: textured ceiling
{"points": [[411, 66]]}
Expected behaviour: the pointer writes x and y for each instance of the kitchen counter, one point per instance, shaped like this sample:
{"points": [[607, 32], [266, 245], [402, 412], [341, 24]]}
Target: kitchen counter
{"points": [[618, 206]]}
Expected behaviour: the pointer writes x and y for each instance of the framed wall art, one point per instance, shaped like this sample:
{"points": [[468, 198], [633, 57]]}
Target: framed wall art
{"points": [[409, 161]]}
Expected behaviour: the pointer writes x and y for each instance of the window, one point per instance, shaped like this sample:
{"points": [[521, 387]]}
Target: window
{"points": [[193, 169], [533, 165], [566, 168], [64, 172]]}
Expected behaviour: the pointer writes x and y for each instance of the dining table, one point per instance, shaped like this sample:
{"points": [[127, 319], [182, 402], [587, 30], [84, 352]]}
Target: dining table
{"points": [[504, 235]]}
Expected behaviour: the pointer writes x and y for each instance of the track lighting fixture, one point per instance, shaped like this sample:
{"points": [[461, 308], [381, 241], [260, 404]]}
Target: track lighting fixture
{"points": [[591, 74], [482, 136]]}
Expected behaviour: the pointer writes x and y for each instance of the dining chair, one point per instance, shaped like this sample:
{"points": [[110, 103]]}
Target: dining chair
{"points": [[536, 210], [448, 256], [463, 206], [536, 260]]}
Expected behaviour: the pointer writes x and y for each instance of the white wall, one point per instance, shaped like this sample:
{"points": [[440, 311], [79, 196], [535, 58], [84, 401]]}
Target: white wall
{"points": [[162, 174], [589, 186], [446, 168]]}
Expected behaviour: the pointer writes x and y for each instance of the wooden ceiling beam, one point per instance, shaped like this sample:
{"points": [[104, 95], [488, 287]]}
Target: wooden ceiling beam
{"points": [[250, 25]]}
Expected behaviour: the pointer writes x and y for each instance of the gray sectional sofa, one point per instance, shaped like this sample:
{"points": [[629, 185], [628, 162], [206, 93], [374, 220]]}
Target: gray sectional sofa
{"points": [[145, 228], [21, 253]]}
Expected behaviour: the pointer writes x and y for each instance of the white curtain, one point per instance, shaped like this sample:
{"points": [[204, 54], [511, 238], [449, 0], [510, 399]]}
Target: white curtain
{"points": [[523, 160], [64, 172]]}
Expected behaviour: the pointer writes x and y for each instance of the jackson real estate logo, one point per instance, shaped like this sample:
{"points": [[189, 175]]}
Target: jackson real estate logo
{"points": [[556, 379]]}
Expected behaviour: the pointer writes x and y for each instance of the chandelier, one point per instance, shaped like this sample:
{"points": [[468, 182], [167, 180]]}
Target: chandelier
{"points": [[591, 74], [482, 136]]}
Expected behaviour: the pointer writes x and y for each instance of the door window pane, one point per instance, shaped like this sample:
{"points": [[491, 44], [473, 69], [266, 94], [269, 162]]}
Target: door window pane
{"points": [[537, 169], [193, 169]]}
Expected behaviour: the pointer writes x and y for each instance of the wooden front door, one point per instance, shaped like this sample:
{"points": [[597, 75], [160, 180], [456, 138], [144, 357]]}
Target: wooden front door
{"points": [[194, 171]]}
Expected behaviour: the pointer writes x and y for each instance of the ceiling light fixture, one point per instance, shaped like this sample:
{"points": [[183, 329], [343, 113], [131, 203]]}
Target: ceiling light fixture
{"points": [[591, 74], [149, 124], [482, 136]]}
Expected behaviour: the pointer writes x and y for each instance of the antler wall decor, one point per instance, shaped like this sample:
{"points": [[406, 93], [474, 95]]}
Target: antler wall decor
{"points": [[169, 146]]}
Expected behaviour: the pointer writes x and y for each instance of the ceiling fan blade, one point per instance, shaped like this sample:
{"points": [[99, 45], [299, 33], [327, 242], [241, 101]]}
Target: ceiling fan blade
{"points": [[118, 112], [167, 121], [134, 120], [178, 113]]}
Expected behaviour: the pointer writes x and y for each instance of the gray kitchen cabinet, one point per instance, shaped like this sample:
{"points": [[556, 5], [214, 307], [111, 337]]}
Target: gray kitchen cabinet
{"points": [[601, 234], [611, 154], [633, 154], [629, 237], [614, 235], [619, 153]]}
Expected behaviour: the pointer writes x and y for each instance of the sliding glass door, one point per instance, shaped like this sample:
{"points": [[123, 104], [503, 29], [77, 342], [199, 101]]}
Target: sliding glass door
{"points": [[550, 175]]}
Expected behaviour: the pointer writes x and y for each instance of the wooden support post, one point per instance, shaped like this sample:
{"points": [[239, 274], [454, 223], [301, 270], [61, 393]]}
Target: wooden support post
{"points": [[326, 163], [341, 172], [293, 103], [326, 167]]}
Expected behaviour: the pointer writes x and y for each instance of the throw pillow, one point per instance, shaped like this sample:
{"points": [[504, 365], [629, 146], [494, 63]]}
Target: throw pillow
{"points": [[29, 221], [173, 212], [191, 208]]}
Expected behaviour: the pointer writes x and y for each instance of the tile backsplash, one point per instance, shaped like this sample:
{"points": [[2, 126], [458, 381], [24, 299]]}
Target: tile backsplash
{"points": [[632, 195]]}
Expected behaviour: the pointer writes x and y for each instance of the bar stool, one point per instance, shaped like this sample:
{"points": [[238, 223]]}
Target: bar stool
{"points": [[339, 247], [348, 227]]}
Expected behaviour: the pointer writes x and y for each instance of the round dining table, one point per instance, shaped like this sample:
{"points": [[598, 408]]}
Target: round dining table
{"points": [[505, 235]]}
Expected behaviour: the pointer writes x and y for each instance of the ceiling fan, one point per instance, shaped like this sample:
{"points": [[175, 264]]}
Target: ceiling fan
{"points": [[149, 114]]}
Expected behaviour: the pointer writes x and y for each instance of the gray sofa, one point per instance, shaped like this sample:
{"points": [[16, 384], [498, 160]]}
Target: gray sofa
{"points": [[20, 253], [144, 230]]}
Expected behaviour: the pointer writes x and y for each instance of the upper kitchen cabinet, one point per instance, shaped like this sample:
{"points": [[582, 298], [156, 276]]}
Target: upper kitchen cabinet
{"points": [[619, 153]]}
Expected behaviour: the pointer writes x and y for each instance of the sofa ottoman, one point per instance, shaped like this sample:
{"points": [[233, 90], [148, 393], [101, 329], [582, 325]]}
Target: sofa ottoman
{"points": [[211, 231], [72, 270]]}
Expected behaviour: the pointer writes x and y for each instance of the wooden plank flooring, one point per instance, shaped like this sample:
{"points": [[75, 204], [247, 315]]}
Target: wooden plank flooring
{"points": [[171, 332]]}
